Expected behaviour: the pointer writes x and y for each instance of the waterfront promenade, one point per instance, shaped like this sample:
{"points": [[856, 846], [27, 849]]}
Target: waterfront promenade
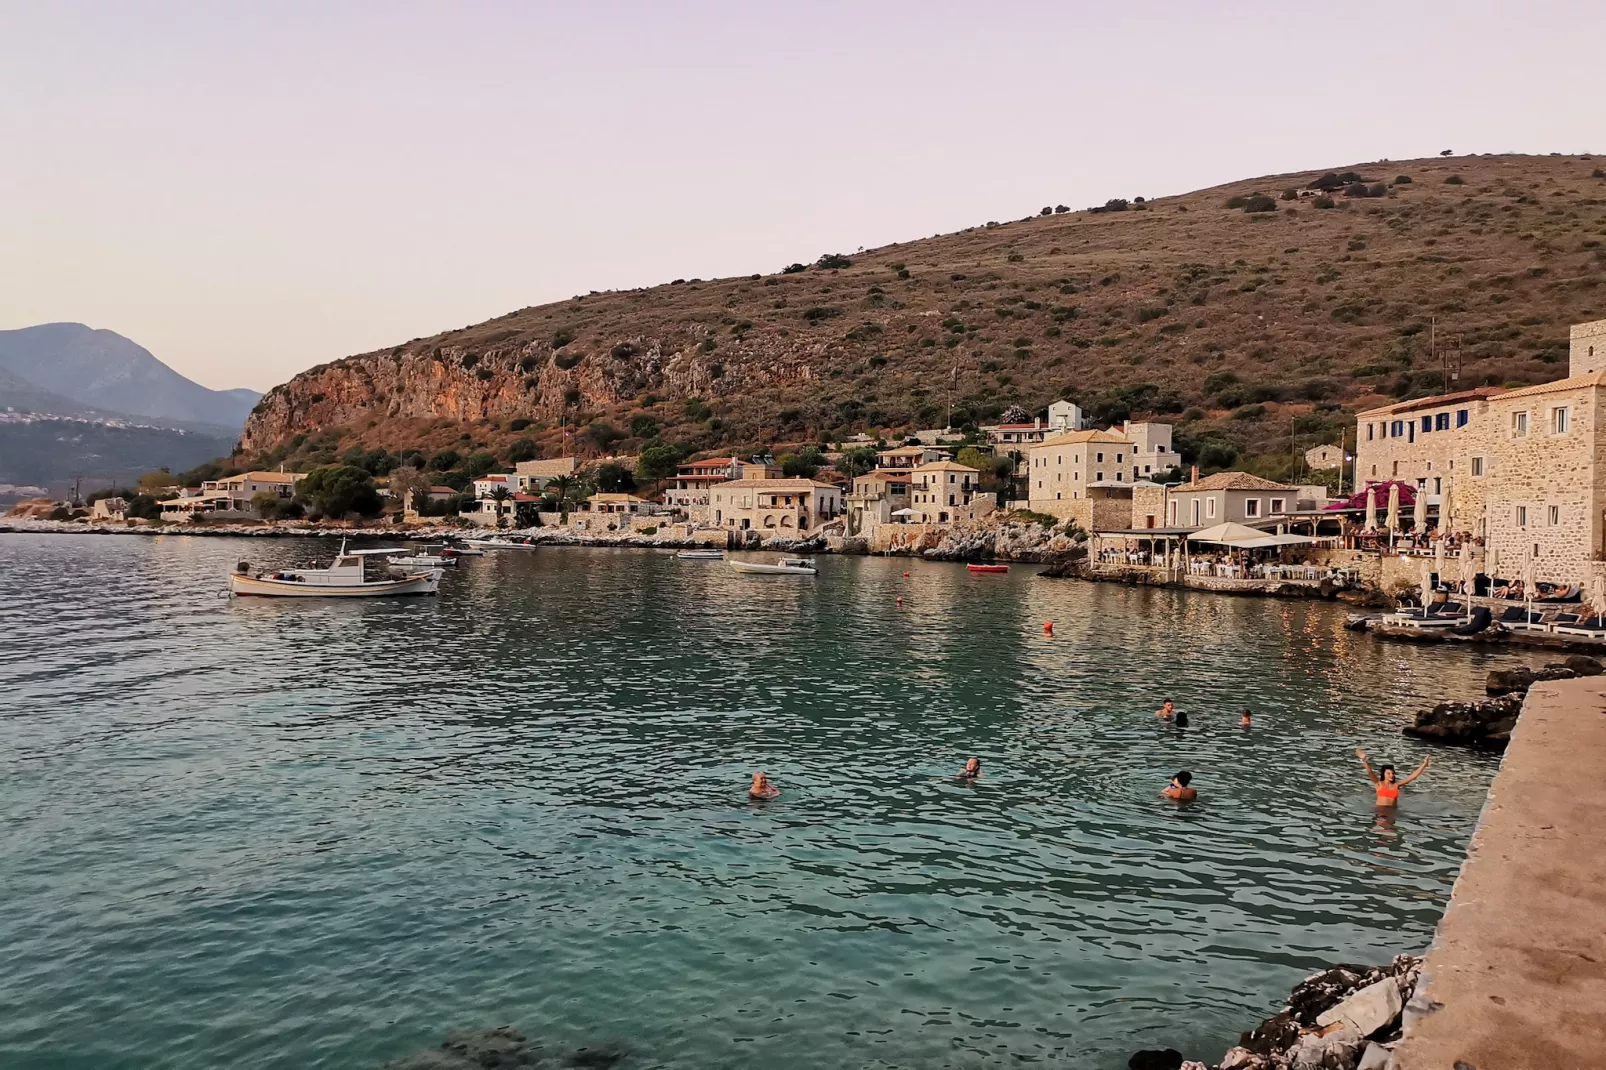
{"points": [[1516, 977]]}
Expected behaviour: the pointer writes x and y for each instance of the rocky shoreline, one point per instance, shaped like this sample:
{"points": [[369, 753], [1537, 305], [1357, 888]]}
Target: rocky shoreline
{"points": [[1489, 723], [1343, 1018]]}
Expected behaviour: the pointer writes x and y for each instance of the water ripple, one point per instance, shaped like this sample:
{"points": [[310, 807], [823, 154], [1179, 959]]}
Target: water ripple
{"points": [[272, 835]]}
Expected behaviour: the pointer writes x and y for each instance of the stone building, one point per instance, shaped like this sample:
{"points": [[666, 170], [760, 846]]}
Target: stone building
{"points": [[1324, 458], [1235, 497], [1524, 470], [938, 489], [776, 506]]}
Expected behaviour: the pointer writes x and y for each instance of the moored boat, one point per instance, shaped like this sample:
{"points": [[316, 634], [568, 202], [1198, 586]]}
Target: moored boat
{"points": [[701, 555], [504, 543], [787, 566], [988, 568], [346, 577]]}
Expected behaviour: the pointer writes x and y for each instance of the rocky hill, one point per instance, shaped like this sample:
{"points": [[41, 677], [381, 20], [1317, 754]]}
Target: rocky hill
{"points": [[1242, 313]]}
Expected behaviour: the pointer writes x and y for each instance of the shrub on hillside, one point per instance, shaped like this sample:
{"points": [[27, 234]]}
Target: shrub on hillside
{"points": [[622, 351], [566, 361], [834, 261], [562, 338], [819, 313], [523, 449], [793, 269], [1402, 180], [1237, 202], [470, 359], [1259, 202], [1322, 202], [516, 425], [1290, 194], [1455, 180]]}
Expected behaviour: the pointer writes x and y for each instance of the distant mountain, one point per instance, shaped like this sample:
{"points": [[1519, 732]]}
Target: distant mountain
{"points": [[20, 396], [103, 370], [51, 452]]}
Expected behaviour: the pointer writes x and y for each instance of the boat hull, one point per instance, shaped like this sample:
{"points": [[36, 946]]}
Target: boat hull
{"points": [[753, 568], [701, 555], [243, 586], [988, 568]]}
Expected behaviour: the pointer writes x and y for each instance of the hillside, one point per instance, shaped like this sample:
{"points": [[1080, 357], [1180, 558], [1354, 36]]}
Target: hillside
{"points": [[103, 370], [1241, 326], [52, 453]]}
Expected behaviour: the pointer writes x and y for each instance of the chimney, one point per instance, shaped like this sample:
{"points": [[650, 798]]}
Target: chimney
{"points": [[1193, 475]]}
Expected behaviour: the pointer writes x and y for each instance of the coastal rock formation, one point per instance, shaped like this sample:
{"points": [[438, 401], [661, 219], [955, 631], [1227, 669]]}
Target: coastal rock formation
{"points": [[1479, 724], [33, 508], [1334, 1020], [1518, 680]]}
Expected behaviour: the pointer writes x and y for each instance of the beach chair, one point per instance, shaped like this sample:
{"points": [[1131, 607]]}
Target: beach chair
{"points": [[1517, 617], [1594, 626]]}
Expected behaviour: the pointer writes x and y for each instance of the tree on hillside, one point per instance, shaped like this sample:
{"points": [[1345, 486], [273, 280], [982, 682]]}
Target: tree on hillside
{"points": [[523, 450], [337, 490], [803, 464], [444, 461], [155, 482], [658, 463], [476, 465], [614, 478], [971, 457], [857, 461], [409, 486]]}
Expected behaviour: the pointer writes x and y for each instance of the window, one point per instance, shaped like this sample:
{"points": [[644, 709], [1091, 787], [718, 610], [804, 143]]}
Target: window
{"points": [[1427, 424], [1210, 508], [1101, 477], [1461, 417], [1553, 516], [1398, 429], [1519, 424], [1558, 420], [1441, 422], [1251, 507], [1438, 485], [1477, 468], [1396, 470], [1100, 458], [1117, 458], [1369, 429], [1522, 516]]}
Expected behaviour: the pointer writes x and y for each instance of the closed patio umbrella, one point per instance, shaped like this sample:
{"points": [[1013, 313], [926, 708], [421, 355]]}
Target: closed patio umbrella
{"points": [[1528, 579], [1447, 508], [1419, 515], [1438, 557], [1393, 522], [1427, 584], [1468, 569], [1597, 595], [1371, 509]]}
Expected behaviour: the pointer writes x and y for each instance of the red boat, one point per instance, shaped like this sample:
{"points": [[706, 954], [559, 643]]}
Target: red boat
{"points": [[988, 568]]}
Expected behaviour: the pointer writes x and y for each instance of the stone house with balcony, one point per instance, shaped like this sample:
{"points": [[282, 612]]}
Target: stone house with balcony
{"points": [[773, 506], [874, 499], [1235, 497], [940, 491]]}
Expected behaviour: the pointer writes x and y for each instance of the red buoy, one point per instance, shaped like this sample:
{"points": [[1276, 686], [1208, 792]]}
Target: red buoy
{"points": [[1048, 627]]}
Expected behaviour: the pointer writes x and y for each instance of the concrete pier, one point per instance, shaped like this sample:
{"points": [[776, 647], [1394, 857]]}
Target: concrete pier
{"points": [[1516, 977]]}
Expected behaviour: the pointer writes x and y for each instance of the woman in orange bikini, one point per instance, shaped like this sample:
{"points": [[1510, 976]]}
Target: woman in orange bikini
{"points": [[1388, 788]]}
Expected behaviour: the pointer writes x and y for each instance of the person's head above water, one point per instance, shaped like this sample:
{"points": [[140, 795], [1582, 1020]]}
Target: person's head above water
{"points": [[1182, 779], [1244, 717], [1386, 774], [1181, 719], [972, 766]]}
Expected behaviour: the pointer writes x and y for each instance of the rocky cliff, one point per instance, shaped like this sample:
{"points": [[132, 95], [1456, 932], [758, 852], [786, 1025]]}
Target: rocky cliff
{"points": [[1234, 312]]}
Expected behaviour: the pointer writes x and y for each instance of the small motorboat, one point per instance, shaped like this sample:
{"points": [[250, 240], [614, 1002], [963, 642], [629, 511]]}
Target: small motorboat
{"points": [[501, 544], [701, 555], [423, 559], [787, 566], [346, 577], [987, 568], [453, 550]]}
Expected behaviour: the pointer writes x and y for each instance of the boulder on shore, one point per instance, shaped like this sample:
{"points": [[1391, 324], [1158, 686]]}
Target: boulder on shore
{"points": [[1520, 679], [1478, 724]]}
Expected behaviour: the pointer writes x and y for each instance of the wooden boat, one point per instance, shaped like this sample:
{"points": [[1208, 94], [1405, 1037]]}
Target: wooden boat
{"points": [[346, 577], [787, 566], [701, 555], [988, 568]]}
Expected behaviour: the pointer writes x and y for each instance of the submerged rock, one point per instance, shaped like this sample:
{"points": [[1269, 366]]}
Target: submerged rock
{"points": [[473, 1049], [1155, 1059]]}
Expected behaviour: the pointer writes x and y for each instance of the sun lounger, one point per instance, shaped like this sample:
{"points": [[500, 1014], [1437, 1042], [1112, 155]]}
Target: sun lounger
{"points": [[1517, 616], [1595, 626]]}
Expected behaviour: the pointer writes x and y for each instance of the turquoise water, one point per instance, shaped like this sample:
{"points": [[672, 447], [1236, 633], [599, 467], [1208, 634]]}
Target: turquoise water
{"points": [[262, 834]]}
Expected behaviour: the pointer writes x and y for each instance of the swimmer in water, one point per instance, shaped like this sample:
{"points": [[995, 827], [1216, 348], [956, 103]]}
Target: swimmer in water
{"points": [[1167, 711], [1388, 787], [1245, 721], [1178, 790], [972, 769], [762, 788]]}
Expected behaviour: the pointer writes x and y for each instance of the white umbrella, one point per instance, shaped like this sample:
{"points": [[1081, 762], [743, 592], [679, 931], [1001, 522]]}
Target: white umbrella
{"points": [[1468, 571], [1528, 581], [1597, 595], [1394, 506], [1491, 561], [1427, 584], [1447, 509], [1438, 557], [1419, 516], [1371, 509]]}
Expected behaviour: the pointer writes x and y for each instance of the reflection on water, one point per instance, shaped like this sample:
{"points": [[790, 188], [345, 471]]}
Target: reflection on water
{"points": [[260, 834]]}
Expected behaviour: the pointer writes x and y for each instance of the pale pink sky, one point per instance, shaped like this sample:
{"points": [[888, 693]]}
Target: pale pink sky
{"points": [[251, 189]]}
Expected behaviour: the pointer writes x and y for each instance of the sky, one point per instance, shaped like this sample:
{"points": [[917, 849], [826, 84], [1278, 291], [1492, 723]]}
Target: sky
{"points": [[249, 189]]}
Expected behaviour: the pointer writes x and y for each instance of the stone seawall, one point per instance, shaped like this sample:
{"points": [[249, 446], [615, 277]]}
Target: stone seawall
{"points": [[1516, 977]]}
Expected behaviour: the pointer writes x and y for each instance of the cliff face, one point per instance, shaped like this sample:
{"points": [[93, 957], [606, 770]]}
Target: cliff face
{"points": [[508, 380], [1232, 324]]}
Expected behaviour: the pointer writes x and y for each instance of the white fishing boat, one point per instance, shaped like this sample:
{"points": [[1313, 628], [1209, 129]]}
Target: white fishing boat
{"points": [[452, 549], [346, 577], [421, 560], [503, 543], [701, 555], [787, 566]]}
